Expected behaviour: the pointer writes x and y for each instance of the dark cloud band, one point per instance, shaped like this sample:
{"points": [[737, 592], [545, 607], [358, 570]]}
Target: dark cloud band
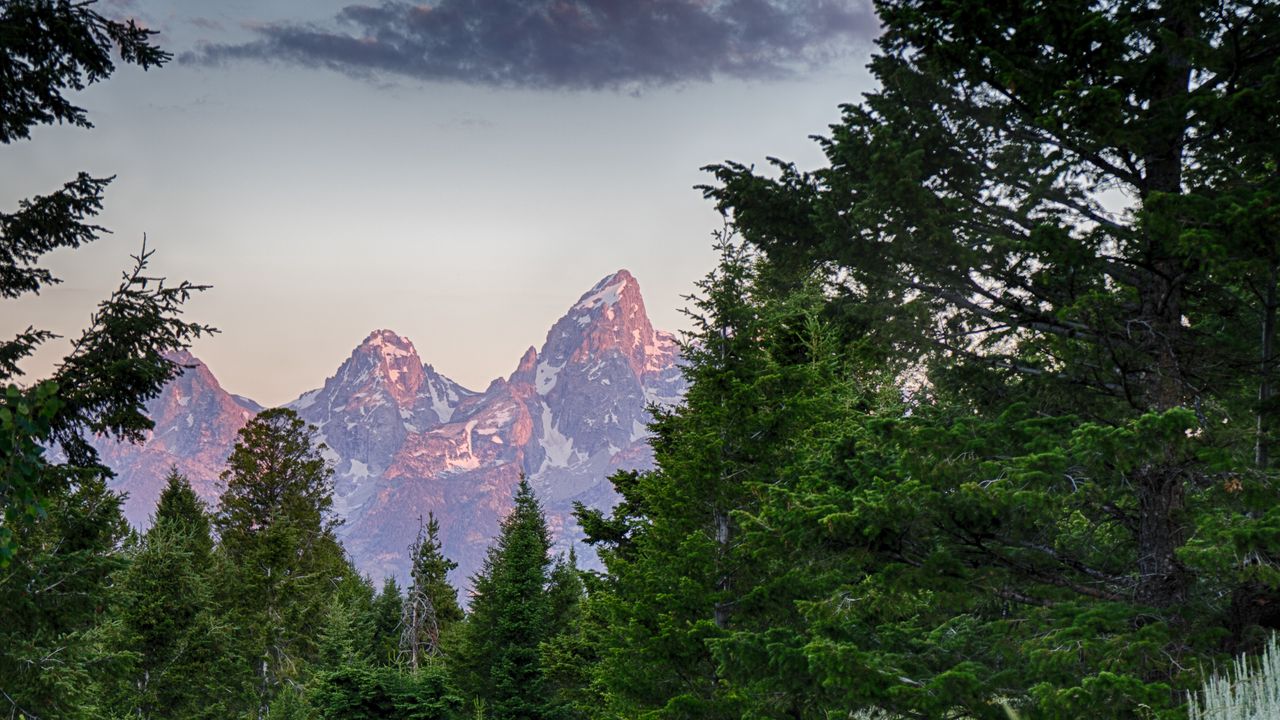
{"points": [[578, 44]]}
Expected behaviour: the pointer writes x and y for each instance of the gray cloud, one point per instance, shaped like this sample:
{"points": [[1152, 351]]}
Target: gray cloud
{"points": [[571, 44]]}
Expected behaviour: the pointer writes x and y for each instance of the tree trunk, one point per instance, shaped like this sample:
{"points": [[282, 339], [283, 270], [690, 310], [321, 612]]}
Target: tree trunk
{"points": [[723, 583], [1262, 450], [1162, 579]]}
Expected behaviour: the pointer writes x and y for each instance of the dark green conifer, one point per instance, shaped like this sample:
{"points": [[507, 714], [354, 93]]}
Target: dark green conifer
{"points": [[60, 527], [431, 605], [565, 593], [499, 658], [348, 635], [1066, 213], [677, 580], [182, 510], [56, 653], [167, 619], [571, 651], [387, 607], [282, 561]]}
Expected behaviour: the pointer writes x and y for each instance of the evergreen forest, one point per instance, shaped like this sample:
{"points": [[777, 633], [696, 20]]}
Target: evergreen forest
{"points": [[981, 424]]}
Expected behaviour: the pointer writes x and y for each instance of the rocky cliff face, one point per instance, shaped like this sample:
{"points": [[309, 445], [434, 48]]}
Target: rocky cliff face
{"points": [[405, 440], [196, 422], [380, 396]]}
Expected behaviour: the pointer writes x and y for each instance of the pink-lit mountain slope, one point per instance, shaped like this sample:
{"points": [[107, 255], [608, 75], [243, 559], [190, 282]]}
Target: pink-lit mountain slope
{"points": [[405, 440], [196, 422]]}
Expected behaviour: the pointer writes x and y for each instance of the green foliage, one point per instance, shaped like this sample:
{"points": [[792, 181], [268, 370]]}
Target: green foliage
{"points": [[1070, 513], [25, 428], [60, 528], [431, 610], [430, 574], [349, 631], [51, 46], [683, 581], [498, 659], [280, 558], [960, 440], [290, 704], [386, 611], [48, 47], [570, 657], [182, 512], [55, 632], [565, 593], [167, 621], [356, 692]]}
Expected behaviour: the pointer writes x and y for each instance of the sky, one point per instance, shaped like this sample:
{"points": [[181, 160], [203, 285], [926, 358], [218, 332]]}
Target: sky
{"points": [[457, 171]]}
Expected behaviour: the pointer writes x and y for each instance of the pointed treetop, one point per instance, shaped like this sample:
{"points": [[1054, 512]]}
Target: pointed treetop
{"points": [[431, 606], [430, 572], [181, 512]]}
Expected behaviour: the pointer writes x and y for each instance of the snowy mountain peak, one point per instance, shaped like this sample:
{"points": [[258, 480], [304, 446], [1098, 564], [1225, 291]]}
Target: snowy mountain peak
{"points": [[610, 317], [609, 291], [404, 440], [389, 344], [183, 358], [391, 360]]}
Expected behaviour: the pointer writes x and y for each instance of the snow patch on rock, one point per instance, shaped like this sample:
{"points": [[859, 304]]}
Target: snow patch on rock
{"points": [[557, 446], [607, 295], [306, 400], [545, 379]]}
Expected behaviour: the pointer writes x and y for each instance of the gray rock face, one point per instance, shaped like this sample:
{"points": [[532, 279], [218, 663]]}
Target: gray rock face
{"points": [[405, 440]]}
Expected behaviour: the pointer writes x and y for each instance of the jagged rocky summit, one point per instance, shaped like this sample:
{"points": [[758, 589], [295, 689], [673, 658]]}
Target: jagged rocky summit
{"points": [[404, 439]]}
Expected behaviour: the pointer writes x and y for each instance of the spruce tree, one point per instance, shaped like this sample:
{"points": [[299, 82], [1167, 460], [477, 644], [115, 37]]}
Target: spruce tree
{"points": [[281, 559], [677, 578], [181, 510], [51, 49], [360, 692], [431, 606], [167, 618], [498, 660], [348, 635], [1072, 515], [387, 608], [60, 526], [567, 655], [565, 593], [55, 636]]}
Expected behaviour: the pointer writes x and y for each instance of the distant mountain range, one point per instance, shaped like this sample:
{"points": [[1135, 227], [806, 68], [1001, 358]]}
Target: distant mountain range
{"points": [[404, 439]]}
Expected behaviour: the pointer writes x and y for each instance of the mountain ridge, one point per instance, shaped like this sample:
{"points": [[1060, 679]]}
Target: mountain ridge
{"points": [[405, 440]]}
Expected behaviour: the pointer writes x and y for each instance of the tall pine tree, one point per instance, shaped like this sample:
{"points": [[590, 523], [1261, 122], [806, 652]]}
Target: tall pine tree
{"points": [[1076, 513], [387, 608], [677, 578], [498, 659], [168, 621], [431, 606], [55, 634], [281, 559]]}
